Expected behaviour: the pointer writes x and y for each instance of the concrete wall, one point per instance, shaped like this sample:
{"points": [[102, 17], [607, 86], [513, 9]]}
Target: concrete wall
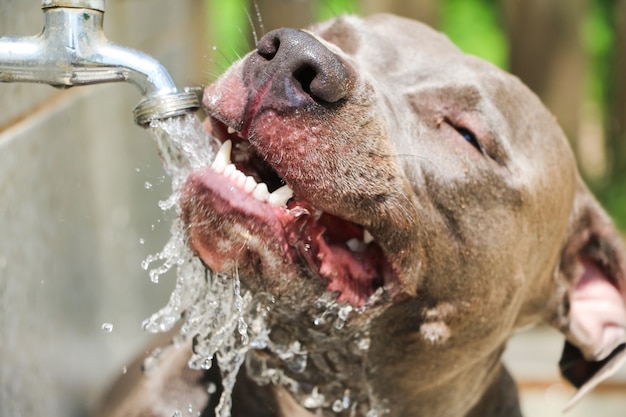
{"points": [[74, 209]]}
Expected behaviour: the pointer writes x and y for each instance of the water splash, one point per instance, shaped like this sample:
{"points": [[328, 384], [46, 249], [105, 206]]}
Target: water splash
{"points": [[225, 321], [183, 146], [107, 327], [212, 304]]}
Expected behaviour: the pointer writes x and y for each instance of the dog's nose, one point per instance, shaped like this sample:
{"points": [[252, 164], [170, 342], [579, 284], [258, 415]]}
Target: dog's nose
{"points": [[303, 65]]}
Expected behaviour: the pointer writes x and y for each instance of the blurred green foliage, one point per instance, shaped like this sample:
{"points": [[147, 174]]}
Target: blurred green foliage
{"points": [[598, 41], [330, 8], [474, 27], [228, 26]]}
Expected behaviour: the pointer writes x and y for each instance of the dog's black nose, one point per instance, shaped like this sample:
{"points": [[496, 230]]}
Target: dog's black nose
{"points": [[302, 65]]}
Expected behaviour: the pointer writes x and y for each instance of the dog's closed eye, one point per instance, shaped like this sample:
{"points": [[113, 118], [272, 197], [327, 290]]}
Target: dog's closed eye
{"points": [[469, 136], [466, 134]]}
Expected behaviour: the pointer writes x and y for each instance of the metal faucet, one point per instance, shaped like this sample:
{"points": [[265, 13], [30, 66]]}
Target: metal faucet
{"points": [[72, 50]]}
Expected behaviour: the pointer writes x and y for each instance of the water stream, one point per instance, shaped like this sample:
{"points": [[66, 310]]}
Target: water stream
{"points": [[226, 320], [211, 304]]}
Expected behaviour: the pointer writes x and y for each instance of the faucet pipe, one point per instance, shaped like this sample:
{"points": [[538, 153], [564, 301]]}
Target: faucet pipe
{"points": [[72, 50]]}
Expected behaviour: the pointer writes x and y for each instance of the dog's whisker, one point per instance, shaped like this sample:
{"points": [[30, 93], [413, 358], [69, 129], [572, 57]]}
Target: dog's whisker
{"points": [[420, 158], [412, 156]]}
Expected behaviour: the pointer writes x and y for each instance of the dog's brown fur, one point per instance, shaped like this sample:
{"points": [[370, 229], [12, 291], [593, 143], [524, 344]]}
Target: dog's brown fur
{"points": [[470, 190]]}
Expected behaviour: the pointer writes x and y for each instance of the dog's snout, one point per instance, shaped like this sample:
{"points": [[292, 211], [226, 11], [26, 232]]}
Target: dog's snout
{"points": [[303, 65]]}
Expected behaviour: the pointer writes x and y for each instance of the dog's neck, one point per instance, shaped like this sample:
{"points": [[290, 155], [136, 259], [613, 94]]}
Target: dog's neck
{"points": [[336, 371], [317, 360], [498, 399]]}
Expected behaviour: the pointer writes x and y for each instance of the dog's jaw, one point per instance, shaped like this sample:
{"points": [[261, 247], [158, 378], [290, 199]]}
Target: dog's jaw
{"points": [[236, 223]]}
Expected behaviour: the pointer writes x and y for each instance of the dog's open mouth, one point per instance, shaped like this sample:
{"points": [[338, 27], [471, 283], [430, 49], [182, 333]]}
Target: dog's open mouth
{"points": [[240, 207]]}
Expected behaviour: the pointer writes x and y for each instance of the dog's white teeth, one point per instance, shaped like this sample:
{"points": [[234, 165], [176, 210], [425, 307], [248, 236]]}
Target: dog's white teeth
{"points": [[239, 178], [367, 237], [229, 170], [280, 197], [261, 192], [356, 245], [223, 165], [222, 159], [231, 130], [249, 185]]}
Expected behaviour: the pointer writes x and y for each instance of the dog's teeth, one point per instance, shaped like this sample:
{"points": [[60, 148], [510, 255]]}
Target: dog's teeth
{"points": [[261, 193], [367, 237], [280, 197], [222, 159], [231, 130], [249, 185], [356, 245], [229, 170], [239, 178], [222, 164]]}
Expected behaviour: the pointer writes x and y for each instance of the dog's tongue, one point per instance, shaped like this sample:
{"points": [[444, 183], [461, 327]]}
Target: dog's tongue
{"points": [[321, 243]]}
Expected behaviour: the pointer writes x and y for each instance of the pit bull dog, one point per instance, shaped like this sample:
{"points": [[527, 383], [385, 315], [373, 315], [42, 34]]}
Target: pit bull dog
{"points": [[372, 160]]}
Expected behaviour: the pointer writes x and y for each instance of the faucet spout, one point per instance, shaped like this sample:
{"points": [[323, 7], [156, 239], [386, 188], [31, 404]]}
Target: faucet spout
{"points": [[72, 50]]}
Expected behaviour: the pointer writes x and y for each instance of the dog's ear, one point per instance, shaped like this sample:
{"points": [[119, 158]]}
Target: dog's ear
{"points": [[593, 317]]}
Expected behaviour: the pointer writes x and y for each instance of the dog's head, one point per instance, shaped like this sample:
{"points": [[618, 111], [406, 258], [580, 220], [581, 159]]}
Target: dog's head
{"points": [[372, 157]]}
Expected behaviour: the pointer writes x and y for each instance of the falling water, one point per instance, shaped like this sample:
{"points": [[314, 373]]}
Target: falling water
{"points": [[225, 320], [213, 305]]}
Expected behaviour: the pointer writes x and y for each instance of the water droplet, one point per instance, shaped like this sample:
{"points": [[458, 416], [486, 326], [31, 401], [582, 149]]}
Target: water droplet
{"points": [[314, 399], [340, 324], [177, 413], [338, 406], [124, 370], [107, 327], [346, 400], [364, 343], [344, 312], [147, 185], [200, 363], [211, 388], [137, 169], [142, 241]]}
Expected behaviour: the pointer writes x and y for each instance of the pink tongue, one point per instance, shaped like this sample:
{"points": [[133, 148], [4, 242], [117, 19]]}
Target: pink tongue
{"points": [[344, 273], [352, 279]]}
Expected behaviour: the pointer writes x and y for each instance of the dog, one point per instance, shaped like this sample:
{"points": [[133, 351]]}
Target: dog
{"points": [[427, 190]]}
